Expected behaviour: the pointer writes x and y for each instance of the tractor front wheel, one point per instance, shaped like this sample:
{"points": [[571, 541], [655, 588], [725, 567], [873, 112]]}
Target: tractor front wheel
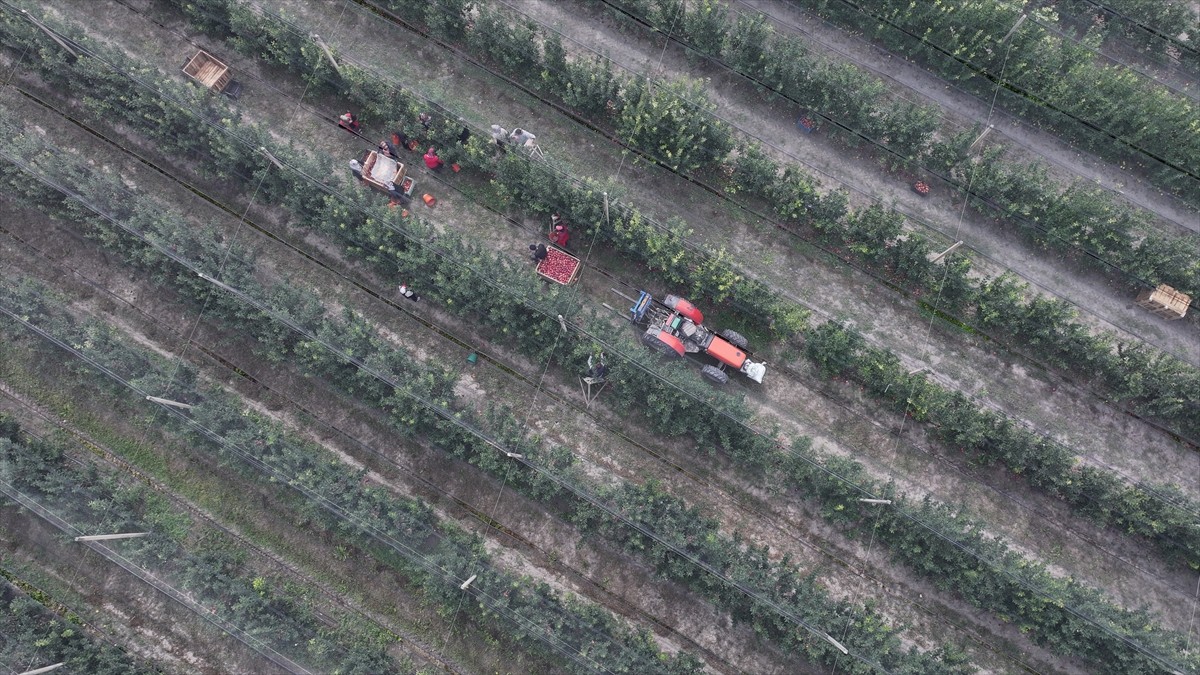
{"points": [[715, 374]]}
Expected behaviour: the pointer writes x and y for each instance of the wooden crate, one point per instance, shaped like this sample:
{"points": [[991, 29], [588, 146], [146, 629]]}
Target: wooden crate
{"points": [[398, 178], [1165, 301], [208, 71], [555, 251]]}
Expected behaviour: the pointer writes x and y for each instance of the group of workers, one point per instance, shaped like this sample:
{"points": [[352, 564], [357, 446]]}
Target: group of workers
{"points": [[392, 146], [559, 234], [518, 137], [388, 149]]}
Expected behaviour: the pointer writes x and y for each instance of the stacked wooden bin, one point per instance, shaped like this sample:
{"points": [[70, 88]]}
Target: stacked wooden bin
{"points": [[1165, 301]]}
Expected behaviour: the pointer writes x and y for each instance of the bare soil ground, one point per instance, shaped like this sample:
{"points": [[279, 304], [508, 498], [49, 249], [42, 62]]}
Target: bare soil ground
{"points": [[348, 574], [537, 543], [118, 606], [237, 502], [958, 106], [997, 249], [130, 289], [319, 136], [1049, 403], [1017, 388], [994, 247], [332, 608], [397, 330]]}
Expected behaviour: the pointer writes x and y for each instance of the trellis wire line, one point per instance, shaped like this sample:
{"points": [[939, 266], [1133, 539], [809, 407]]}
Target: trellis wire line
{"points": [[152, 580], [924, 345], [909, 516], [280, 477]]}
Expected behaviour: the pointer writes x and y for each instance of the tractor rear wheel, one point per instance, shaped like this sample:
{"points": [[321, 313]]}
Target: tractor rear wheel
{"points": [[735, 338], [658, 344], [715, 374]]}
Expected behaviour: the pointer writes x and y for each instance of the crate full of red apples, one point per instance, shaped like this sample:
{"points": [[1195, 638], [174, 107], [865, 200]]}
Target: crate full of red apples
{"points": [[559, 266]]}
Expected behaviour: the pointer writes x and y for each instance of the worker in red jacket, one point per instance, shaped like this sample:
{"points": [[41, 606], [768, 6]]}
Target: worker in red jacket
{"points": [[349, 122], [560, 235], [432, 160]]}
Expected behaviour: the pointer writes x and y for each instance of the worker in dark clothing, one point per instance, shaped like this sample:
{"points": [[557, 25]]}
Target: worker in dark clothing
{"points": [[356, 169], [425, 120], [597, 368], [389, 150], [538, 252], [465, 134], [396, 194], [401, 140]]}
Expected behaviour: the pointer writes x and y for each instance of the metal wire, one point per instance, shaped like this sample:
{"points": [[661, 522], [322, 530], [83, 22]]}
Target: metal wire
{"points": [[822, 469]]}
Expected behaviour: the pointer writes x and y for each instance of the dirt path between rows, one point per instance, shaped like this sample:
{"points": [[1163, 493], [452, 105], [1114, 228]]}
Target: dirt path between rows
{"points": [[1046, 401], [1022, 392], [118, 606], [407, 644], [363, 438], [1031, 406], [915, 82], [291, 130], [847, 586], [1106, 305], [408, 333]]}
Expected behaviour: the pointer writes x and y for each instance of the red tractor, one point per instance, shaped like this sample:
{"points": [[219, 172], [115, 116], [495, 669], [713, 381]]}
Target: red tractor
{"points": [[673, 327]]}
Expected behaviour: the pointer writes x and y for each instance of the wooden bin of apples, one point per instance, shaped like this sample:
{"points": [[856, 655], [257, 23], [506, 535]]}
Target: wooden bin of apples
{"points": [[559, 266]]}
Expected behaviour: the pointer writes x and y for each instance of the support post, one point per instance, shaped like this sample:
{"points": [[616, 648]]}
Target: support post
{"points": [[914, 371], [563, 322], [606, 221], [467, 583], [875, 501], [328, 52], [51, 33], [211, 280], [271, 157], [585, 388], [167, 401], [943, 254], [45, 669], [514, 455], [108, 537], [1012, 30], [977, 141], [837, 644]]}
